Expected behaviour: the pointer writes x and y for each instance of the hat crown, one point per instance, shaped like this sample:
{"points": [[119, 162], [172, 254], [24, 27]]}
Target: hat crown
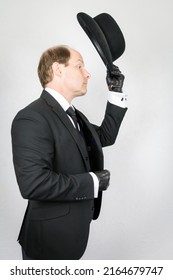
{"points": [[105, 35], [112, 33]]}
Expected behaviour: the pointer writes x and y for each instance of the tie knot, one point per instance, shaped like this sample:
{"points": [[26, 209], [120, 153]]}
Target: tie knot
{"points": [[71, 112]]}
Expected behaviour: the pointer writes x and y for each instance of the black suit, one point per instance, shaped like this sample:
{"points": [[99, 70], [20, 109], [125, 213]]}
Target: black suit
{"points": [[52, 169]]}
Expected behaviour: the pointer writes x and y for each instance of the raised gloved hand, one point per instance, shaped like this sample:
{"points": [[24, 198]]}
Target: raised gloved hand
{"points": [[104, 178], [115, 79]]}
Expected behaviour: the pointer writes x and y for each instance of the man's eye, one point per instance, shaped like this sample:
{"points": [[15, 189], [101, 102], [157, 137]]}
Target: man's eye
{"points": [[79, 66]]}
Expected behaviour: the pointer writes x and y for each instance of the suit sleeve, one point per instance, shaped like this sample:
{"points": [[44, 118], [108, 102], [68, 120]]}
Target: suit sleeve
{"points": [[33, 155], [109, 128]]}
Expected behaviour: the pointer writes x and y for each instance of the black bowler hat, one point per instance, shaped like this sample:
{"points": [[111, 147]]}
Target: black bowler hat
{"points": [[105, 35]]}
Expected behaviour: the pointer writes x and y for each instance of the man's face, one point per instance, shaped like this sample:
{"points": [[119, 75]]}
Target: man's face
{"points": [[75, 76]]}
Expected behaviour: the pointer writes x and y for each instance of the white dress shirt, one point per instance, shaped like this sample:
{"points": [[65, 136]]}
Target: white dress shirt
{"points": [[118, 99]]}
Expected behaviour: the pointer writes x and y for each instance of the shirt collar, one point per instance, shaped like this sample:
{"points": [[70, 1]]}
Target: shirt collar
{"points": [[59, 98]]}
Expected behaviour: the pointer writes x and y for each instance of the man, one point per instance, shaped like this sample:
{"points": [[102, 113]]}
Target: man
{"points": [[58, 162]]}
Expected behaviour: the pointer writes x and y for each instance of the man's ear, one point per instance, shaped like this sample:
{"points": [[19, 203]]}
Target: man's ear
{"points": [[56, 68]]}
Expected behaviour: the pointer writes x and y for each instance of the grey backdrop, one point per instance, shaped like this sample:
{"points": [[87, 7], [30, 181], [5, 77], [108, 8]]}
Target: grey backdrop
{"points": [[136, 221]]}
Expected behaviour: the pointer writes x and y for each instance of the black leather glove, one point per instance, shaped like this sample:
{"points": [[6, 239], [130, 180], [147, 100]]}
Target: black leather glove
{"points": [[115, 79], [104, 178]]}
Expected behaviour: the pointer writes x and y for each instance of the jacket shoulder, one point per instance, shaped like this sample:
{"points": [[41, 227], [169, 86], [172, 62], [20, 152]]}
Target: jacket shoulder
{"points": [[36, 107], [34, 112]]}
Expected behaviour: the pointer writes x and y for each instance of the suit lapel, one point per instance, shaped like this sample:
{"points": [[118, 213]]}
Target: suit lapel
{"points": [[65, 120], [93, 141], [90, 128]]}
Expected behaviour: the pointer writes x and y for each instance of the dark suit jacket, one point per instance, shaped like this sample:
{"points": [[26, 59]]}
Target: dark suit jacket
{"points": [[52, 171]]}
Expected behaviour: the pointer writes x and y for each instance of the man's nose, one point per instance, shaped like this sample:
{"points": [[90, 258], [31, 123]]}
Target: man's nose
{"points": [[87, 74]]}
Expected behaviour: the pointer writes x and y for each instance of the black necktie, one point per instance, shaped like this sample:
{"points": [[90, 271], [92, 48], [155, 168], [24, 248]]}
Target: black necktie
{"points": [[72, 114]]}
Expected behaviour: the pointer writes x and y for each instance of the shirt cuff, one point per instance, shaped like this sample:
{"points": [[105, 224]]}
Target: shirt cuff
{"points": [[118, 99], [96, 184]]}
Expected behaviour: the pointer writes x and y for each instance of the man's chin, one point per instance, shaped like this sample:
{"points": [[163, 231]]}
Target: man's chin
{"points": [[82, 93]]}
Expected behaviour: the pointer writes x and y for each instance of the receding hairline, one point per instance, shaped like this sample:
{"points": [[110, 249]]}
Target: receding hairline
{"points": [[63, 46]]}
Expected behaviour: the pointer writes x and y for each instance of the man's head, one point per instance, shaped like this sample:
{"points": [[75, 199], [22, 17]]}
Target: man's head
{"points": [[62, 68]]}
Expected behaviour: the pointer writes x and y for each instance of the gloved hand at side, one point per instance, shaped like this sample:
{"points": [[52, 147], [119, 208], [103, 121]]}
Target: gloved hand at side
{"points": [[115, 79], [104, 178]]}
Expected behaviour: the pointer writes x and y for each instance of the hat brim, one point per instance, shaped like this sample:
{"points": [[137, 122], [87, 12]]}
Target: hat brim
{"points": [[96, 32]]}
